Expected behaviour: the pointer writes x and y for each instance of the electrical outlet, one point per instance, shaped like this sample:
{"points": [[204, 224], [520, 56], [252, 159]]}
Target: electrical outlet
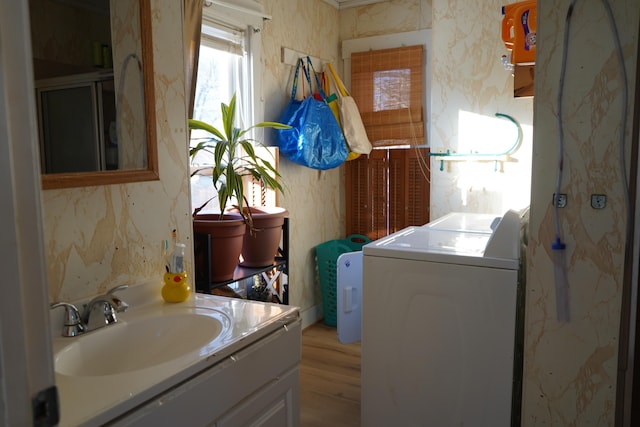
{"points": [[560, 200], [598, 201]]}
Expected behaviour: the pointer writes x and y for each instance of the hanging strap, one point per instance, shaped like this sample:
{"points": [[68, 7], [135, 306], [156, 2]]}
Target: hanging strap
{"points": [[341, 89], [294, 89], [326, 82], [310, 65]]}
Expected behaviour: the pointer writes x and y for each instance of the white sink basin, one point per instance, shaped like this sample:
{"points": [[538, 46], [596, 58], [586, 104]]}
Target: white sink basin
{"points": [[139, 343]]}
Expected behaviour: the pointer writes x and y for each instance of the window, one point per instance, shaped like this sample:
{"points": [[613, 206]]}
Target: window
{"points": [[229, 48], [387, 85], [389, 189], [221, 65]]}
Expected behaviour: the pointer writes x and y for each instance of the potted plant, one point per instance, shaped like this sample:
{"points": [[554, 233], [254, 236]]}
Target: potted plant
{"points": [[234, 158]]}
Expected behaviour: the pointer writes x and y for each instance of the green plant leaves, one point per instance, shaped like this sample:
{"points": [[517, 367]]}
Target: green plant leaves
{"points": [[229, 167]]}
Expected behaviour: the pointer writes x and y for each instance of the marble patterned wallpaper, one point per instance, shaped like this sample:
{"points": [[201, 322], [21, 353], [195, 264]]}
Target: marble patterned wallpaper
{"points": [[314, 199], [571, 367], [395, 16], [469, 86], [99, 237]]}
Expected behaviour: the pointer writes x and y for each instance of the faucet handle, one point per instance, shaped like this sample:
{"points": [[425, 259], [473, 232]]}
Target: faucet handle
{"points": [[72, 324], [116, 289], [118, 305]]}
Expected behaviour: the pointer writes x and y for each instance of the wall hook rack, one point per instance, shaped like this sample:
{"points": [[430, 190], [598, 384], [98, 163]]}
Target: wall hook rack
{"points": [[290, 57]]}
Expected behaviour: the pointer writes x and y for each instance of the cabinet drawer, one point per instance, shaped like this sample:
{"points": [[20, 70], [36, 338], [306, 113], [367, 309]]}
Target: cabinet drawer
{"points": [[204, 398], [276, 405]]}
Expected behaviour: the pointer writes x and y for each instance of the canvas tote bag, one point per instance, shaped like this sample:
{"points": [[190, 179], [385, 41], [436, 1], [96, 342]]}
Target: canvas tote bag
{"points": [[352, 126]]}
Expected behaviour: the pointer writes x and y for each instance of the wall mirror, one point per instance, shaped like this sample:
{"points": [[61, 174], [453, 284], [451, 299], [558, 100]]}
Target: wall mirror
{"points": [[93, 72]]}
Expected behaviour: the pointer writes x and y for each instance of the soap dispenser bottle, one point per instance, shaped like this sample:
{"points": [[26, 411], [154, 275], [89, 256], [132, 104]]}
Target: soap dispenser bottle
{"points": [[176, 259], [176, 288]]}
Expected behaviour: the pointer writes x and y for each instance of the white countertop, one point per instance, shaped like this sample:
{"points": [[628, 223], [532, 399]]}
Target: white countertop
{"points": [[94, 400]]}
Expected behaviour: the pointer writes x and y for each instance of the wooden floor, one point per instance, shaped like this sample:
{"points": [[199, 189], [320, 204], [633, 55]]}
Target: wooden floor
{"points": [[329, 379]]}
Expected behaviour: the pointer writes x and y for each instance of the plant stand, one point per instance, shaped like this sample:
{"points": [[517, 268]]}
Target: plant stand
{"points": [[273, 278]]}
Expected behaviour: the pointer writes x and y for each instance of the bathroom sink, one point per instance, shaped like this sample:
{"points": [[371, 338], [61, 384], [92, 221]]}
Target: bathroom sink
{"points": [[156, 347], [139, 343]]}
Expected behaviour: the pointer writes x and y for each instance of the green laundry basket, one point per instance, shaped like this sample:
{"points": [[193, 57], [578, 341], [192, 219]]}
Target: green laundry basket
{"points": [[327, 254]]}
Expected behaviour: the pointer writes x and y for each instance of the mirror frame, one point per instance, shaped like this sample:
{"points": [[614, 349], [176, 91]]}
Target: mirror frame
{"points": [[85, 179]]}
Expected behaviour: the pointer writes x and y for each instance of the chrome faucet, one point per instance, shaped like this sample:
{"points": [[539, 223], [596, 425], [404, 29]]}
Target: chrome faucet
{"points": [[72, 325], [103, 308]]}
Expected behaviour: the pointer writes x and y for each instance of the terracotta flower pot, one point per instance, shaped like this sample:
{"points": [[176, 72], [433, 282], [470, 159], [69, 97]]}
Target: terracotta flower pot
{"points": [[260, 248], [226, 243]]}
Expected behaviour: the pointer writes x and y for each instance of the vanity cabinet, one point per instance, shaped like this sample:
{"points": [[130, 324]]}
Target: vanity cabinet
{"points": [[257, 385]]}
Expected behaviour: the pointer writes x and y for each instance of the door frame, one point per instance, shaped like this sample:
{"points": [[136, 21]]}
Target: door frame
{"points": [[628, 386], [26, 361]]}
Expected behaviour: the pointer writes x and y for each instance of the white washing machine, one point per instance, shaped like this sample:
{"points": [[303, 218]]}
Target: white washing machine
{"points": [[439, 322]]}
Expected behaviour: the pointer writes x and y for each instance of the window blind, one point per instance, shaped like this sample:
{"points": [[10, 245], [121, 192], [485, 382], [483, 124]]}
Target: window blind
{"points": [[387, 86], [387, 191], [222, 37]]}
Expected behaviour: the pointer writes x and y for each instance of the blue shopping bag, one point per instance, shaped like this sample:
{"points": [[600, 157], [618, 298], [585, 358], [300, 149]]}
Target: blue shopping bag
{"points": [[315, 139]]}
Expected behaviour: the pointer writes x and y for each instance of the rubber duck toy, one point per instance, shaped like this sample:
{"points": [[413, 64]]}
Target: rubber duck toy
{"points": [[176, 288]]}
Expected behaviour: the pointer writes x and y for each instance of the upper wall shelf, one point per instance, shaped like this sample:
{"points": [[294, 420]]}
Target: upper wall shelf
{"points": [[523, 79], [498, 158]]}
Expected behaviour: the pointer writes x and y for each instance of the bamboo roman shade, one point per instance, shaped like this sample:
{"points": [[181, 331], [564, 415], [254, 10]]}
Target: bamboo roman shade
{"points": [[387, 86]]}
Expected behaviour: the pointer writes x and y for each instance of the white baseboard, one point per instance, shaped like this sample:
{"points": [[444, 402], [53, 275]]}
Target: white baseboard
{"points": [[311, 315]]}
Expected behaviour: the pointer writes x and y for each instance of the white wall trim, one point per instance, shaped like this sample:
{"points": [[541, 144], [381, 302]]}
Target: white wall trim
{"points": [[311, 315], [291, 56], [234, 11], [388, 41]]}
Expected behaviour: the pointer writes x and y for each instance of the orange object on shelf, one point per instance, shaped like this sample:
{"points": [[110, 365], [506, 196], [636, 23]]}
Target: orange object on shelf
{"points": [[519, 31]]}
